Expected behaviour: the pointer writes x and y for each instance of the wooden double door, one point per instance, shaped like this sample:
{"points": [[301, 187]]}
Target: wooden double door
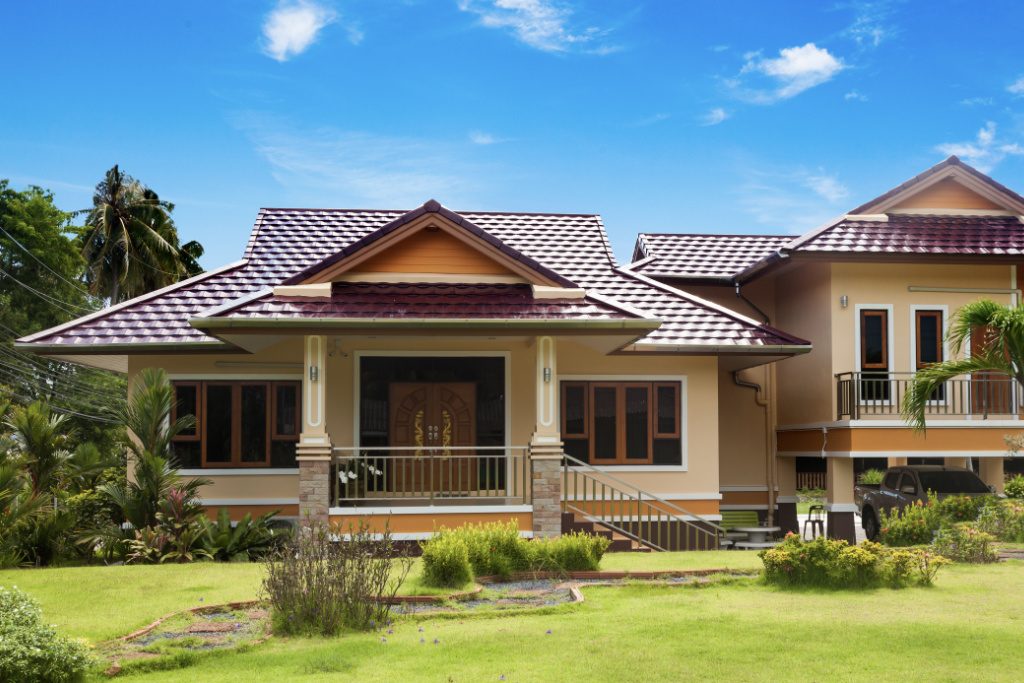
{"points": [[435, 425]]}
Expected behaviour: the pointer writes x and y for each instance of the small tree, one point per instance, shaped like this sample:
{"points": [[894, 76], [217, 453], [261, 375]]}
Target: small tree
{"points": [[1002, 352], [41, 440]]}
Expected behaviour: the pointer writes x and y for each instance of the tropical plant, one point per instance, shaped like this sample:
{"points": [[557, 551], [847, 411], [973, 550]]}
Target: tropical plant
{"points": [[246, 539], [130, 242], [41, 439], [871, 477], [1002, 351], [1015, 487]]}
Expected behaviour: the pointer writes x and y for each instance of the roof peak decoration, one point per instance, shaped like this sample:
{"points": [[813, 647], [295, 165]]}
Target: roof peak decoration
{"points": [[430, 241]]}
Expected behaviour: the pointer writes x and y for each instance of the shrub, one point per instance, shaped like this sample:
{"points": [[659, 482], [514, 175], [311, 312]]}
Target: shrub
{"points": [[959, 508], [497, 549], [446, 561], [811, 495], [965, 542], [914, 525], [1004, 519], [1015, 487], [247, 539], [831, 563], [319, 582], [31, 651], [871, 477]]}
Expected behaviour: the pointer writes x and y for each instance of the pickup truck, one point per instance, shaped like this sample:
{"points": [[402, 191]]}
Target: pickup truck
{"points": [[902, 486]]}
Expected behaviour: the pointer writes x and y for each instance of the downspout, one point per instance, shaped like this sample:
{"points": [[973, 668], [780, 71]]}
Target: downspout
{"points": [[762, 401], [744, 299]]}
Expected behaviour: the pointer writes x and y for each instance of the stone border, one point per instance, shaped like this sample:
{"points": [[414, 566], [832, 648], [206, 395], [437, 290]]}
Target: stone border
{"points": [[245, 604]]}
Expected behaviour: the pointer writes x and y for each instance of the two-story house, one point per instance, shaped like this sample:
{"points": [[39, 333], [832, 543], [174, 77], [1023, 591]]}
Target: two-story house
{"points": [[873, 291]]}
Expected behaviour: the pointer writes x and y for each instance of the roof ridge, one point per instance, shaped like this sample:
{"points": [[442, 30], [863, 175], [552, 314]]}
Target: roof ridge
{"points": [[404, 211], [713, 234]]}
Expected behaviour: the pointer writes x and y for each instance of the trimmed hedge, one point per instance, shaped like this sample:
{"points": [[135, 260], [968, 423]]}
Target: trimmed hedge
{"points": [[31, 651]]}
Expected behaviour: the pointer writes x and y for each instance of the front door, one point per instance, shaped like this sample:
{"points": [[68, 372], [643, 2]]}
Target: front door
{"points": [[436, 424]]}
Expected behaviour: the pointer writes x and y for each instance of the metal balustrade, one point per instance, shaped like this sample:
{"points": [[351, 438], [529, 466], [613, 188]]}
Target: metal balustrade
{"points": [[606, 500], [866, 394], [410, 475]]}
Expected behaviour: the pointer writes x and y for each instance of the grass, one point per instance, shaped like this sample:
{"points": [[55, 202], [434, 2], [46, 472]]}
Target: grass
{"points": [[741, 631]]}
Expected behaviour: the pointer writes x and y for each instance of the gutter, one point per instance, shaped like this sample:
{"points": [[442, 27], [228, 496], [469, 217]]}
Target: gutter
{"points": [[422, 323]]}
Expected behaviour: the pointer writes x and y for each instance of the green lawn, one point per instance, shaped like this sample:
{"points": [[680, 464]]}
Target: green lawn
{"points": [[966, 627]]}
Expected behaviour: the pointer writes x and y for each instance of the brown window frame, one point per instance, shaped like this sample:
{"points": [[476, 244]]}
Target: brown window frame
{"points": [[939, 351], [874, 313], [621, 387], [197, 434], [235, 461]]}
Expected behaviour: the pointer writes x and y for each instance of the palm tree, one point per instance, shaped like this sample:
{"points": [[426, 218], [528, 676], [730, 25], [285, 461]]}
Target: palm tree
{"points": [[1002, 352], [130, 242]]}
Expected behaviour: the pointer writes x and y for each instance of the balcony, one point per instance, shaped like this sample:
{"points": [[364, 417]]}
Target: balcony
{"points": [[862, 395]]}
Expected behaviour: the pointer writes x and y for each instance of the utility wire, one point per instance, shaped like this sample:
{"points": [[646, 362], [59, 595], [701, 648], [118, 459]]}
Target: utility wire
{"points": [[67, 411], [40, 262], [69, 381], [86, 395], [48, 298], [53, 398]]}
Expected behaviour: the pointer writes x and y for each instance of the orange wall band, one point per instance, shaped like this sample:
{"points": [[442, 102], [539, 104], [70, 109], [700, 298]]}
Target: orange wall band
{"points": [[899, 439], [236, 512], [626, 509], [421, 523]]}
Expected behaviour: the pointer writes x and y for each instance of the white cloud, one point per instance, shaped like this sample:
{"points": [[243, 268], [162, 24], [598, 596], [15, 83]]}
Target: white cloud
{"points": [[977, 102], [856, 96], [1017, 87], [328, 165], [795, 70], [293, 26], [870, 27], [826, 186], [985, 152], [541, 24], [650, 120], [714, 117], [790, 199], [478, 137]]}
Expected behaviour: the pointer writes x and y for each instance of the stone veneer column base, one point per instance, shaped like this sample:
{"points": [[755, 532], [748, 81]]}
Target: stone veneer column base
{"points": [[546, 479], [314, 486]]}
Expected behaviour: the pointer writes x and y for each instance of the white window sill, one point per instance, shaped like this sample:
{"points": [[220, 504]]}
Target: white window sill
{"points": [[238, 471]]}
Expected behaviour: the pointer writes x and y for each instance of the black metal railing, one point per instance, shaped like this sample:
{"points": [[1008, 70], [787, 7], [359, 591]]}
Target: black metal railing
{"points": [[373, 476], [865, 394]]}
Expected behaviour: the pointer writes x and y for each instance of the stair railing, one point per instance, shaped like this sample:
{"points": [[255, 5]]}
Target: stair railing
{"points": [[604, 499]]}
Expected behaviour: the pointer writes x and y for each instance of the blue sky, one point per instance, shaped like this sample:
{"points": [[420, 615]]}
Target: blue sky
{"points": [[695, 116]]}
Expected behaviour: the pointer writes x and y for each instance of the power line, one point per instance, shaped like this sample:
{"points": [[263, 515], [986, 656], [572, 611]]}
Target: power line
{"points": [[68, 411], [78, 371], [70, 381], [46, 297], [26, 376], [40, 262]]}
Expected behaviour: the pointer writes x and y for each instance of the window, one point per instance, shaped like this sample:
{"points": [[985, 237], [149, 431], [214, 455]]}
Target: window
{"points": [[928, 344], [237, 424], [622, 423], [874, 355]]}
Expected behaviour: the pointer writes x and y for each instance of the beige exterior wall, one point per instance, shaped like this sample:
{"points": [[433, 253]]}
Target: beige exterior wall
{"points": [[804, 389], [575, 358]]}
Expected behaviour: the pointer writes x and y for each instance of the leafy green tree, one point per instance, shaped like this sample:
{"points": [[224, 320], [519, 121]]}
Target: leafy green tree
{"points": [[130, 242], [41, 283], [41, 439], [1002, 352]]}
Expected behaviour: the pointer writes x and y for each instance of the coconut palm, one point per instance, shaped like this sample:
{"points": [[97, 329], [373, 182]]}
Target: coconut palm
{"points": [[130, 242], [1002, 352]]}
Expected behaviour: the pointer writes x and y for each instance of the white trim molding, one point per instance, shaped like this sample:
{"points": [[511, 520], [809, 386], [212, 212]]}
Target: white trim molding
{"points": [[431, 510], [842, 507], [227, 502], [240, 471]]}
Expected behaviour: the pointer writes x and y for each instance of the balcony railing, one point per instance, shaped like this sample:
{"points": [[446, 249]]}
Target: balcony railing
{"points": [[449, 475], [865, 394]]}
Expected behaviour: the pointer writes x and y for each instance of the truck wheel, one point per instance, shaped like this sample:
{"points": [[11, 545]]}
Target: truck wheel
{"points": [[870, 524]]}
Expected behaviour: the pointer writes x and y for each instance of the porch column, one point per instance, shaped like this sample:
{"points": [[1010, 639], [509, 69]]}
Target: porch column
{"points": [[992, 472], [546, 444], [957, 462], [896, 462], [786, 500], [841, 508], [314, 450]]}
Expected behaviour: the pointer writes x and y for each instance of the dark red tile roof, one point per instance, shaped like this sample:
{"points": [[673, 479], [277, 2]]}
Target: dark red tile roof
{"points": [[921, 235], [692, 256], [284, 242], [403, 301]]}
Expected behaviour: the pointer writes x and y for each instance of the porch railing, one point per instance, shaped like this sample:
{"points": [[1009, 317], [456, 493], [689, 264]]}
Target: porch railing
{"points": [[387, 475], [604, 499], [860, 394]]}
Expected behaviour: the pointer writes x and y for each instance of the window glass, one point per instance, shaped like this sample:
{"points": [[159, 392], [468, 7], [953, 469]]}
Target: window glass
{"points": [[187, 454], [287, 415], [891, 480], [574, 409], [605, 429], [908, 485], [638, 421], [953, 482], [218, 442], [668, 411], [254, 423], [929, 337], [186, 398]]}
